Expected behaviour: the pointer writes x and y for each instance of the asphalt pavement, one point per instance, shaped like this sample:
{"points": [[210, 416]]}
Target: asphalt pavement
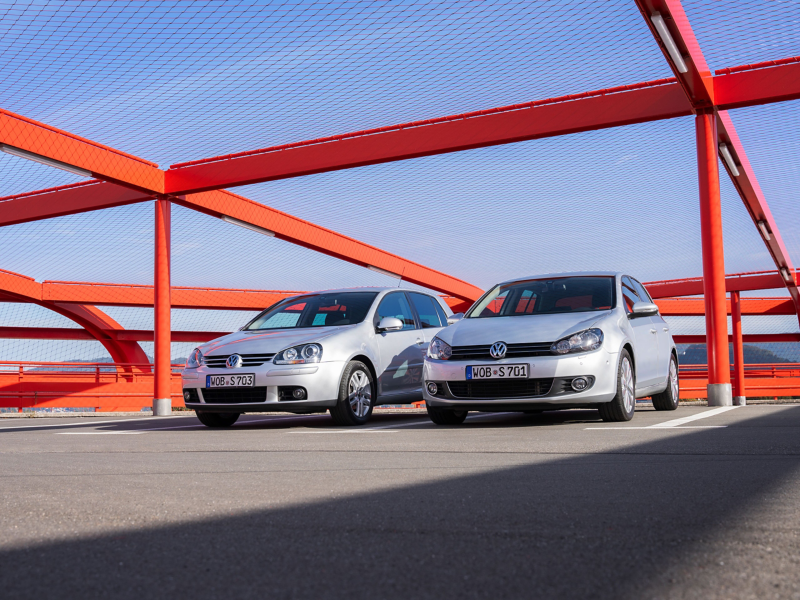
{"points": [[695, 503]]}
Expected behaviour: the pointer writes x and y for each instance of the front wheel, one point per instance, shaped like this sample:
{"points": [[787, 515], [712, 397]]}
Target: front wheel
{"points": [[214, 419], [355, 403], [622, 406], [669, 398], [444, 416]]}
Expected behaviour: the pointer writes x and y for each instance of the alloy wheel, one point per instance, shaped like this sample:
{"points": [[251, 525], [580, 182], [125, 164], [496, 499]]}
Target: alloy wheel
{"points": [[628, 396], [359, 393], [673, 380]]}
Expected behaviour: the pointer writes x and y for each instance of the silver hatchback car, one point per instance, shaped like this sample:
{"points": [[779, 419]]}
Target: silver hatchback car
{"points": [[341, 350], [554, 341]]}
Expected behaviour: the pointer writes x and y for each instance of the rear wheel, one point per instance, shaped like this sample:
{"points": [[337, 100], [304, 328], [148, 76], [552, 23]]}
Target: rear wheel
{"points": [[214, 419], [444, 416], [355, 396], [621, 408], [668, 399]]}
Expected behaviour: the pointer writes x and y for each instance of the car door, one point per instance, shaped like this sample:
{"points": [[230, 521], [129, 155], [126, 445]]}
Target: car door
{"points": [[430, 315], [644, 338], [662, 333], [401, 361]]}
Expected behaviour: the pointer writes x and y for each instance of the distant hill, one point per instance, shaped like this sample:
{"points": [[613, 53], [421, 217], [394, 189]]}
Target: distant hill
{"points": [[695, 354]]}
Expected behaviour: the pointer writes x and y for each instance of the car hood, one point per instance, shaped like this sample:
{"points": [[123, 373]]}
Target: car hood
{"points": [[258, 342], [520, 329]]}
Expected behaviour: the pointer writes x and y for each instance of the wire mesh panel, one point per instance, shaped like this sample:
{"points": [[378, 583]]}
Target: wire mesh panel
{"points": [[740, 32], [176, 81]]}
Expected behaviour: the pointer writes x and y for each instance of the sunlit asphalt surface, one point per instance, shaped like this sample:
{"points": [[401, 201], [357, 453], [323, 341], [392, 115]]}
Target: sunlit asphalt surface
{"points": [[557, 505]]}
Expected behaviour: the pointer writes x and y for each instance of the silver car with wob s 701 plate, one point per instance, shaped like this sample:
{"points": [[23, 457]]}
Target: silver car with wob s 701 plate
{"points": [[569, 340], [341, 350]]}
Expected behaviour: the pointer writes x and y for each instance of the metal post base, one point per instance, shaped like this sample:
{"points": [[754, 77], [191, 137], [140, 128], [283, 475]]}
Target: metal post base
{"points": [[739, 401], [162, 407], [720, 394]]}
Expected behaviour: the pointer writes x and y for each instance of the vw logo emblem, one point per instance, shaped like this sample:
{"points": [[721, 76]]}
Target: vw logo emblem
{"points": [[234, 361], [498, 350]]}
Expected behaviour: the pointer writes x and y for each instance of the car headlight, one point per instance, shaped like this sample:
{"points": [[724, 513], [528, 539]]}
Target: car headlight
{"points": [[299, 355], [440, 349], [583, 341], [195, 359]]}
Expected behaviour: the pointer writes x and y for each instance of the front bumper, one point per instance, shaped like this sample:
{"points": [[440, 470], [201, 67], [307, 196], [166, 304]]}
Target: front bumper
{"points": [[547, 386], [320, 381]]}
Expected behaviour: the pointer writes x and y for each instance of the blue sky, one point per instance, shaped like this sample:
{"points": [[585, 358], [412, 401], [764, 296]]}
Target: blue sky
{"points": [[176, 81]]}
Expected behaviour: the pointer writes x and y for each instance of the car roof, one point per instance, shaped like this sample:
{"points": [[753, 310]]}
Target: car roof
{"points": [[365, 289], [566, 274]]}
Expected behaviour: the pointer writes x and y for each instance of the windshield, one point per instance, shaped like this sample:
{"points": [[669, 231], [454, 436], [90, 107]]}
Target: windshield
{"points": [[320, 310], [547, 296]]}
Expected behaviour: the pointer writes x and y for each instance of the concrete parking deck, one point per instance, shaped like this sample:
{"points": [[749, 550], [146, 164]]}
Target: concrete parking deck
{"points": [[698, 503]]}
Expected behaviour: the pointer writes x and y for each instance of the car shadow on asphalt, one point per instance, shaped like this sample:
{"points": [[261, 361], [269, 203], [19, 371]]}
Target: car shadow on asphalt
{"points": [[632, 523]]}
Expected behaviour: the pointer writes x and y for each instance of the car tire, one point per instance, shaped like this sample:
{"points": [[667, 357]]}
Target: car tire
{"points": [[669, 398], [215, 419], [444, 416], [622, 407], [356, 397]]}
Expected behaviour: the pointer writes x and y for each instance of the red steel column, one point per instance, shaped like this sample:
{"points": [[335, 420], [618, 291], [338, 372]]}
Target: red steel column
{"points": [[739, 397], [162, 397], [719, 376]]}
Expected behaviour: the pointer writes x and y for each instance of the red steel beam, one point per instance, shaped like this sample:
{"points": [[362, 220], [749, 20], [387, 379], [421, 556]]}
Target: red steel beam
{"points": [[98, 160], [127, 335], [700, 88], [761, 83], [65, 200], [286, 227], [755, 338], [695, 307], [737, 282]]}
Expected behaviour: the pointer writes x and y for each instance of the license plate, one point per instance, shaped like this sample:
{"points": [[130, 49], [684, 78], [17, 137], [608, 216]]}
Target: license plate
{"points": [[239, 380], [498, 372]]}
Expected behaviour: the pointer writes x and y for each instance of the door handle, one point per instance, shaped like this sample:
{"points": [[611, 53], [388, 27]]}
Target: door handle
{"points": [[652, 331], [420, 342], [666, 328]]}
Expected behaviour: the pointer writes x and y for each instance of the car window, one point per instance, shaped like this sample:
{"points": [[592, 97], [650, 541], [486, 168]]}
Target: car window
{"points": [[641, 291], [426, 310], [539, 296], [441, 313], [396, 305], [629, 294], [319, 310]]}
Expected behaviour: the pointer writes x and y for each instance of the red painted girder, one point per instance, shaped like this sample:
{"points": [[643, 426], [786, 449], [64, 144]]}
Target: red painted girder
{"points": [[741, 282], [751, 85], [752, 196], [320, 239], [755, 338], [694, 307], [697, 82], [129, 335], [65, 200], [120, 294], [101, 161], [546, 118], [20, 287]]}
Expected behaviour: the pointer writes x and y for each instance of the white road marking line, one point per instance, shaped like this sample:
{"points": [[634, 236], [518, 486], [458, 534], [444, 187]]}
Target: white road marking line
{"points": [[96, 432], [650, 427], [703, 415], [76, 424]]}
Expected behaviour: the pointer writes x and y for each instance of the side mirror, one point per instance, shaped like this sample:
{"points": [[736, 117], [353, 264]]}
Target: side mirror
{"points": [[455, 318], [643, 309], [390, 324]]}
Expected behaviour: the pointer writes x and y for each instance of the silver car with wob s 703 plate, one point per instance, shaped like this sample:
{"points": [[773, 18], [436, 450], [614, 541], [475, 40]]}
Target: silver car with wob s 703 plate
{"points": [[569, 340], [343, 350]]}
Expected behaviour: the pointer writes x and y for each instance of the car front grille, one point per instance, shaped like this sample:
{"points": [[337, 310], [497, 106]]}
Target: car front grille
{"points": [[500, 388], [513, 351], [248, 360], [235, 395]]}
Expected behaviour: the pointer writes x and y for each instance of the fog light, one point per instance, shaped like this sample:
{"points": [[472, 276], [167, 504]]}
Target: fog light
{"points": [[186, 395], [432, 388], [298, 393], [579, 384]]}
